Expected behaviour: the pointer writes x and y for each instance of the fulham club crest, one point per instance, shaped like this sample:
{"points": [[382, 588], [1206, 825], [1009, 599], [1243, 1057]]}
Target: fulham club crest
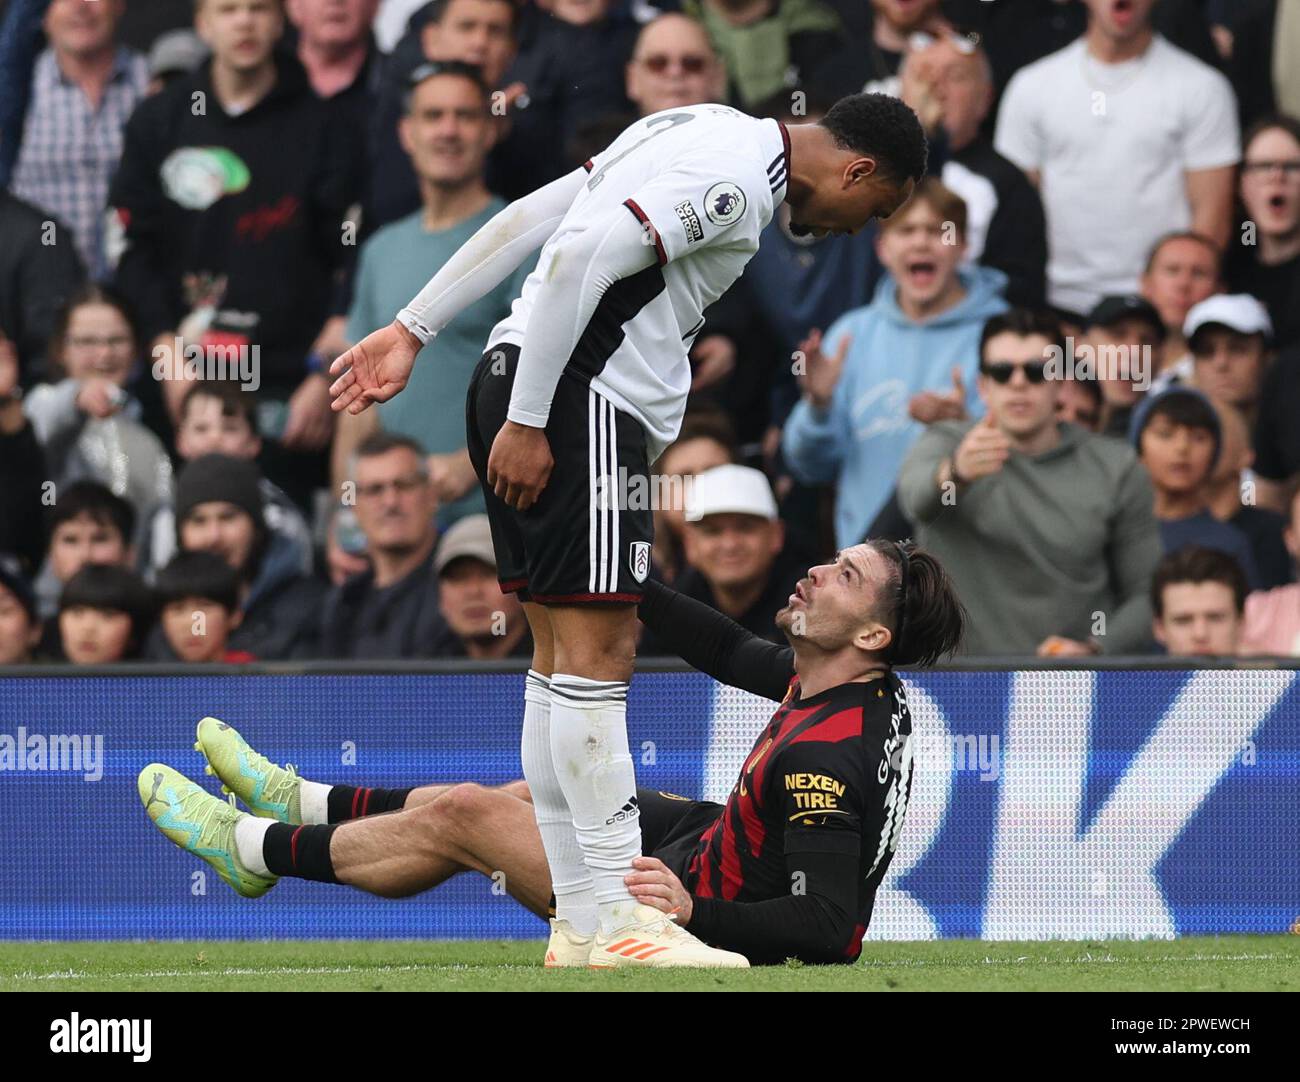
{"points": [[638, 559]]}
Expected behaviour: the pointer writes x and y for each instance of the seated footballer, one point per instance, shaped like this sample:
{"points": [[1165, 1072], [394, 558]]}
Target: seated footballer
{"points": [[819, 802]]}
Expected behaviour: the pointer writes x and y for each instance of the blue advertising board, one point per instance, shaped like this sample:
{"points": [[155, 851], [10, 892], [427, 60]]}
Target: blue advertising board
{"points": [[1046, 804]]}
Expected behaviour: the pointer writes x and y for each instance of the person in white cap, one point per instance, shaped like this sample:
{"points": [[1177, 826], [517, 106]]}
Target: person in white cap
{"points": [[1230, 337], [735, 550]]}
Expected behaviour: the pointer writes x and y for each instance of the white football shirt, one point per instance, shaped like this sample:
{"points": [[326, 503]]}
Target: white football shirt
{"points": [[704, 180]]}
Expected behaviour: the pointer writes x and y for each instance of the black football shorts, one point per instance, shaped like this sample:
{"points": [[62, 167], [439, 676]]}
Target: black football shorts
{"points": [[579, 543]]}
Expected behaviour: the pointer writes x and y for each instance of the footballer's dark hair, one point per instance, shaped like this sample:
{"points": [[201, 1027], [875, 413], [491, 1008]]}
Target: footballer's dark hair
{"points": [[919, 604], [96, 502], [1025, 322], [198, 574], [1196, 564], [881, 127]]}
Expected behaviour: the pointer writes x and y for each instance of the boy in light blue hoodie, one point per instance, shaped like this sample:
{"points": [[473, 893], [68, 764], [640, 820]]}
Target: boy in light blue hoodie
{"points": [[907, 359]]}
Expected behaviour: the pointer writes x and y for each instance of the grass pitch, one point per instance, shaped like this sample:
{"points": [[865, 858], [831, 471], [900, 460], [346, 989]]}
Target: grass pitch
{"points": [[1222, 963]]}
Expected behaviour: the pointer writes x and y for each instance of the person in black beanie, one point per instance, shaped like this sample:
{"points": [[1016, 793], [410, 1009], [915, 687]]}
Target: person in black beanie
{"points": [[219, 509]]}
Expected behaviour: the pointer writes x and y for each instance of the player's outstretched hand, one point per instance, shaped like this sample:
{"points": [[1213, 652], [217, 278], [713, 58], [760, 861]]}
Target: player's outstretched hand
{"points": [[519, 464], [653, 883], [373, 370]]}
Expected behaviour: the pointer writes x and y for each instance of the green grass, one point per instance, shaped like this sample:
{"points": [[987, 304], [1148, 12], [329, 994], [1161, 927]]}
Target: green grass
{"points": [[1224, 963]]}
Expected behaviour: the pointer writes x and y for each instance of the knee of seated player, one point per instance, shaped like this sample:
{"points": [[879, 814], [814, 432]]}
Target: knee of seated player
{"points": [[518, 789], [460, 805]]}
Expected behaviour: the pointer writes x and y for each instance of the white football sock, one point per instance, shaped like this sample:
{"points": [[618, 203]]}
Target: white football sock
{"points": [[313, 802], [570, 880], [250, 832], [589, 744]]}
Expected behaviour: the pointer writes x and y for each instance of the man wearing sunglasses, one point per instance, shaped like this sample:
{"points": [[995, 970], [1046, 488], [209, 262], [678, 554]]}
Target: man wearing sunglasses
{"points": [[1048, 530]]}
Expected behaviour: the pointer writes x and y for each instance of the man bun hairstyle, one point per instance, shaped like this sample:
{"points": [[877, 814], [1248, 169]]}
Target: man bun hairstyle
{"points": [[882, 127], [920, 605]]}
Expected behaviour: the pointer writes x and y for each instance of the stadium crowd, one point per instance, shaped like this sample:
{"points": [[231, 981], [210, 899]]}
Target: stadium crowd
{"points": [[1070, 366]]}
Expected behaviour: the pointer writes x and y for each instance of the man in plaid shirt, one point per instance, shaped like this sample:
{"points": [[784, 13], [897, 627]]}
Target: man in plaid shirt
{"points": [[84, 88]]}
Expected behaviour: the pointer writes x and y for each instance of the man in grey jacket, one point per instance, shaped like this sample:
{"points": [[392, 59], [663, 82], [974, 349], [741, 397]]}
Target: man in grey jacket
{"points": [[1047, 530]]}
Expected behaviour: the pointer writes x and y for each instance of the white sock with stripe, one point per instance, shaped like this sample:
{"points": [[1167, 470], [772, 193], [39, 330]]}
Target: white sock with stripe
{"points": [[570, 881], [594, 766], [314, 802], [250, 833]]}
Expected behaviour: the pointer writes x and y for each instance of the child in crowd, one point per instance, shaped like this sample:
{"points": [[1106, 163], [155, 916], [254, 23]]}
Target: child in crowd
{"points": [[87, 524], [220, 417], [1178, 439], [198, 593], [104, 615]]}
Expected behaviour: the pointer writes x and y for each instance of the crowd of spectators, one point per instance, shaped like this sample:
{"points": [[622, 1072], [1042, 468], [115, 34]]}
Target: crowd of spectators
{"points": [[1069, 366]]}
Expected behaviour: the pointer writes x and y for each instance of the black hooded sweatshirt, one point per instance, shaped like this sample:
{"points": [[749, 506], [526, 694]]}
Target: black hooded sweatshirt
{"points": [[259, 198]]}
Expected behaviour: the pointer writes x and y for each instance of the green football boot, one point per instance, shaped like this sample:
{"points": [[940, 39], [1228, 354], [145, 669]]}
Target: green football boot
{"points": [[267, 790], [199, 823]]}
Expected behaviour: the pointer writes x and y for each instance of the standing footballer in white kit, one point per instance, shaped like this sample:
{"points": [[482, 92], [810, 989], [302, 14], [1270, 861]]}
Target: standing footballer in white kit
{"points": [[585, 383]]}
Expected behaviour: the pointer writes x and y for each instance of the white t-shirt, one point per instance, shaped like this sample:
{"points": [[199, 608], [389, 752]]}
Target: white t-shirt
{"points": [[1113, 144], [705, 179]]}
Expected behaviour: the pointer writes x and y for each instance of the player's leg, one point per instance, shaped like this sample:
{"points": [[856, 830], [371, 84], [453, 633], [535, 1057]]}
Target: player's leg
{"points": [[272, 791], [469, 827], [587, 553], [466, 828], [594, 650], [575, 903], [486, 408]]}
